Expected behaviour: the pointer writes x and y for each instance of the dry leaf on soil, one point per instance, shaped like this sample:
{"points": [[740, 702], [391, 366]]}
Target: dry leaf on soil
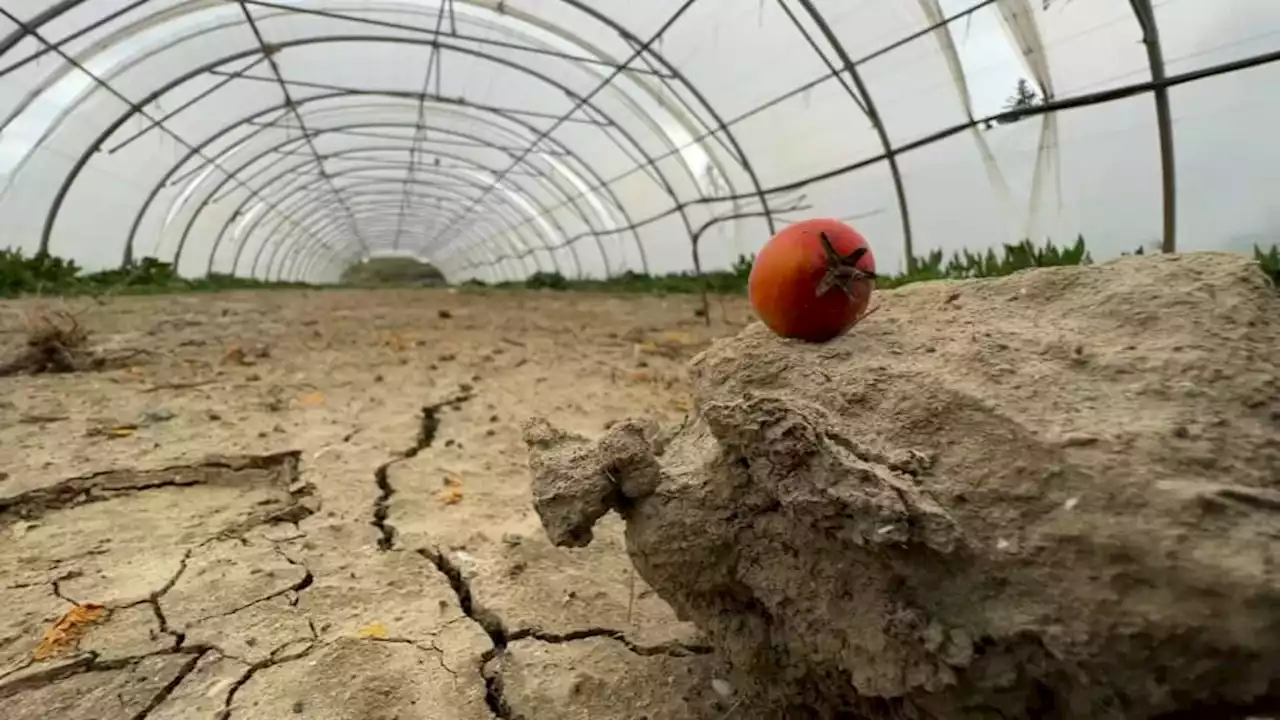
{"points": [[113, 431], [374, 630], [452, 492], [66, 632], [236, 356]]}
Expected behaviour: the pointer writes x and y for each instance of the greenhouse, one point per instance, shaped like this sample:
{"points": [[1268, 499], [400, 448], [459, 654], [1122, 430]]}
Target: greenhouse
{"points": [[909, 358], [285, 140]]}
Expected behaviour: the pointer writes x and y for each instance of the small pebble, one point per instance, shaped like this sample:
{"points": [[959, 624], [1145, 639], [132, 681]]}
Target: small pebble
{"points": [[158, 415]]}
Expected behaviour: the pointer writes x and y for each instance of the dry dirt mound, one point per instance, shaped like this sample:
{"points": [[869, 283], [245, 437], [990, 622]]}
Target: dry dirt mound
{"points": [[1053, 495]]}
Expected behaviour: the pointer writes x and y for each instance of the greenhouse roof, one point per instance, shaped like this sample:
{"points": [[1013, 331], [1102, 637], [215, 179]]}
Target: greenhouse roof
{"points": [[288, 139]]}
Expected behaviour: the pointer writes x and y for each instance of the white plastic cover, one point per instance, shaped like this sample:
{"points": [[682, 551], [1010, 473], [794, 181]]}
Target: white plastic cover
{"points": [[593, 137]]}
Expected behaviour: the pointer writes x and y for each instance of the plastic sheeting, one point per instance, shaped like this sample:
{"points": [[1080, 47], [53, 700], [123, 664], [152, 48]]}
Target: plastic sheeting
{"points": [[289, 138]]}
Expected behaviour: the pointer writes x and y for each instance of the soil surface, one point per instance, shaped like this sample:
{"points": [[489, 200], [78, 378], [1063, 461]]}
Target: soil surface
{"points": [[316, 504], [1050, 495]]}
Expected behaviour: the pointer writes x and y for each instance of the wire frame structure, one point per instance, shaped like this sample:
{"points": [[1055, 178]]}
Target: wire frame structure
{"points": [[288, 139]]}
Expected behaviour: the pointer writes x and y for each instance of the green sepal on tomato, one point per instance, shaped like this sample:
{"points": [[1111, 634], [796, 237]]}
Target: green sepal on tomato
{"points": [[813, 280]]}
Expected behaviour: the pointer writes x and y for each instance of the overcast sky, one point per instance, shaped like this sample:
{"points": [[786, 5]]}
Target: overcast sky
{"points": [[1105, 183]]}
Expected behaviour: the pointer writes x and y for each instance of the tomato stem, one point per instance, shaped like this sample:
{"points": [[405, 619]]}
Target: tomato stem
{"points": [[842, 270]]}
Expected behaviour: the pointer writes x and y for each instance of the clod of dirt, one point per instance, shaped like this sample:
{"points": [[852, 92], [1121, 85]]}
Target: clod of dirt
{"points": [[906, 524], [56, 343]]}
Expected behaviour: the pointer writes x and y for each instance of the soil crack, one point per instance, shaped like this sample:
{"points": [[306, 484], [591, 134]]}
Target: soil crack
{"points": [[163, 622], [225, 712], [488, 621], [429, 424], [109, 484], [303, 583], [428, 649], [87, 662], [382, 506], [57, 592], [428, 427], [170, 686], [670, 648]]}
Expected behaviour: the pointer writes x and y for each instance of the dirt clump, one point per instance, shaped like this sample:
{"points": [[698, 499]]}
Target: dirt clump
{"points": [[1050, 495], [56, 342]]}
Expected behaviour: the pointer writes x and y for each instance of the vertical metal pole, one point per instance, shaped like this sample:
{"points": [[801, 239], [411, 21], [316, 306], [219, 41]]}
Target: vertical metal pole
{"points": [[908, 246], [1164, 120]]}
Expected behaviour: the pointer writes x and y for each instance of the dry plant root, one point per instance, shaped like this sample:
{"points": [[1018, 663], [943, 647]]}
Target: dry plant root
{"points": [[56, 343]]}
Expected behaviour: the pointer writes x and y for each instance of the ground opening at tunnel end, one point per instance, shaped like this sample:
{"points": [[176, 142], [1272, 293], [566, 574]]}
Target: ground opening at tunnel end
{"points": [[316, 504]]}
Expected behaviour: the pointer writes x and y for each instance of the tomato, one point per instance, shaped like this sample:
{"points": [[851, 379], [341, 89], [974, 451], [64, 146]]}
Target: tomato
{"points": [[813, 280]]}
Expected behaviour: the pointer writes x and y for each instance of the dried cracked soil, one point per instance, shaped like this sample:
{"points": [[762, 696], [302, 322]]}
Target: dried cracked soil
{"points": [[316, 504]]}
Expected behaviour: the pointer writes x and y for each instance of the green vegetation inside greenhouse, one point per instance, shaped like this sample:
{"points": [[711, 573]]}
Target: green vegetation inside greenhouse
{"points": [[52, 275], [935, 266], [393, 271], [49, 275]]}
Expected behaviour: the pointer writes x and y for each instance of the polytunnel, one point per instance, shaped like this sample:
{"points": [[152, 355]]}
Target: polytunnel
{"points": [[287, 139]]}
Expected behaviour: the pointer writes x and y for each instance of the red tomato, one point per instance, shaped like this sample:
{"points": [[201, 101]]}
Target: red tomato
{"points": [[813, 280]]}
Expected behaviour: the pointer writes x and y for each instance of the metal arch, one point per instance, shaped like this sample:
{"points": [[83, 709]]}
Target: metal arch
{"points": [[547, 176], [697, 94], [623, 32], [321, 233], [293, 170], [156, 189], [326, 233], [522, 254], [1164, 119], [591, 172], [576, 39], [321, 238], [291, 192], [626, 35], [556, 190], [74, 173], [298, 263], [297, 191], [334, 258], [288, 263], [300, 192], [579, 41], [635, 41], [303, 266], [520, 190], [650, 162], [876, 121], [639, 114]]}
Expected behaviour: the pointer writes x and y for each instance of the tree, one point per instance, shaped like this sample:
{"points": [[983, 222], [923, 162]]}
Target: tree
{"points": [[1024, 96]]}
